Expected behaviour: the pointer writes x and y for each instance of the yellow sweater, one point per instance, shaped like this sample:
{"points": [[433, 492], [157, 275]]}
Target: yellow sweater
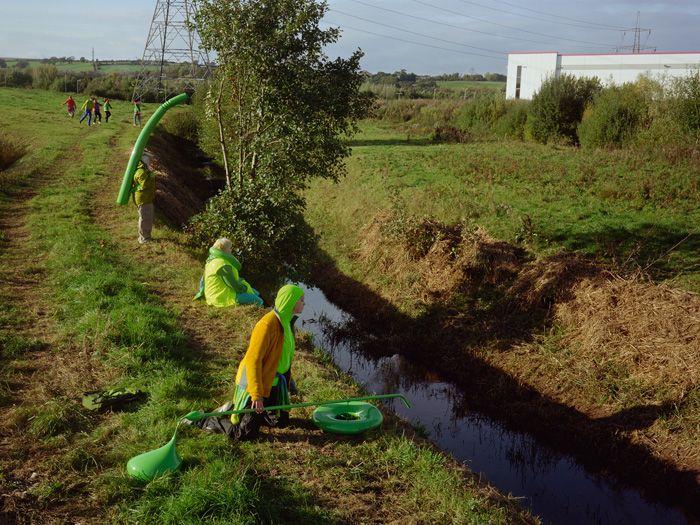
{"points": [[261, 359]]}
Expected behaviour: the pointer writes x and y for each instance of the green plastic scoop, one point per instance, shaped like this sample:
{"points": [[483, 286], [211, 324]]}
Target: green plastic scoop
{"points": [[161, 461]]}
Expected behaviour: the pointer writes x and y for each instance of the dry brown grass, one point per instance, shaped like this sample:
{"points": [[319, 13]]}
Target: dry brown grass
{"points": [[624, 354], [452, 262], [651, 330]]}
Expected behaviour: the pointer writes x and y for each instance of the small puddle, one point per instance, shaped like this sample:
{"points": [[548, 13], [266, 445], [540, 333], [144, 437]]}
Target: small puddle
{"points": [[552, 485]]}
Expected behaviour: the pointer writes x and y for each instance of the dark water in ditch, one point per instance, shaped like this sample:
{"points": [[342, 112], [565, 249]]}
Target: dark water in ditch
{"points": [[553, 486]]}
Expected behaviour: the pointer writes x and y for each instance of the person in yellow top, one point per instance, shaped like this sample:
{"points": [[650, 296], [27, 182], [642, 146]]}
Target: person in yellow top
{"points": [[143, 190], [264, 374], [87, 106]]}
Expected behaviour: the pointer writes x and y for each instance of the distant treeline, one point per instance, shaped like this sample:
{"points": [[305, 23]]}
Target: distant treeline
{"points": [[117, 84], [402, 84]]}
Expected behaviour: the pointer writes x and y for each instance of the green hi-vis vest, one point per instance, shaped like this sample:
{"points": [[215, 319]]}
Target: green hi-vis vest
{"points": [[216, 292]]}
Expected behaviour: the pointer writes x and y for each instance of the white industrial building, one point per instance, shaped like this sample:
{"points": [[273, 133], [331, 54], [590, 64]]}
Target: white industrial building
{"points": [[527, 71]]}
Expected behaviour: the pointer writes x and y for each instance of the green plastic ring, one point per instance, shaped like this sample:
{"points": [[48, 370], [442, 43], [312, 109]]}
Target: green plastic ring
{"points": [[347, 418]]}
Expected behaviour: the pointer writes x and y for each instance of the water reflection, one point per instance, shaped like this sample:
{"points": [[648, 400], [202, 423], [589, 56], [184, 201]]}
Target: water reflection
{"points": [[552, 485]]}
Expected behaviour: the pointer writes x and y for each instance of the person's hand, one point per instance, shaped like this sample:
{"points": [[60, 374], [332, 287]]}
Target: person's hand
{"points": [[258, 406]]}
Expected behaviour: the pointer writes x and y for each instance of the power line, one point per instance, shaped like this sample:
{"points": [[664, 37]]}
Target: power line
{"points": [[510, 27], [418, 34], [603, 27], [412, 42], [461, 28]]}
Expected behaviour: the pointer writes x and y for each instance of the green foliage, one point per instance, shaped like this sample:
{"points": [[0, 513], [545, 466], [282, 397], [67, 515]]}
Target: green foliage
{"points": [[276, 117], [183, 124], [558, 106], [114, 86], [486, 107], [265, 224], [512, 123], [19, 78], [286, 106], [490, 111], [686, 94], [613, 117]]}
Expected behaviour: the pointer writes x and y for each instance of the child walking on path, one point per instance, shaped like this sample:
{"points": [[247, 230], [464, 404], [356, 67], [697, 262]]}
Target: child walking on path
{"points": [[137, 112], [98, 115], [108, 110], [87, 106], [71, 106]]}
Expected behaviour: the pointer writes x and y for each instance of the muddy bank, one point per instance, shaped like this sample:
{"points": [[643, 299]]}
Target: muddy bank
{"points": [[599, 367]]}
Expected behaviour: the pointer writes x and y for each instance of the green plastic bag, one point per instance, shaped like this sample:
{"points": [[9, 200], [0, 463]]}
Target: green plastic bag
{"points": [[112, 399]]}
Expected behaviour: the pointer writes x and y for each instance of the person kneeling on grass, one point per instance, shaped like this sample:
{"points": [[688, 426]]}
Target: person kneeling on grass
{"points": [[220, 284], [264, 373]]}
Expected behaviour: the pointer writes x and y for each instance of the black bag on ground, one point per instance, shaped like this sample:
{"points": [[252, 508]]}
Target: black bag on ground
{"points": [[112, 399]]}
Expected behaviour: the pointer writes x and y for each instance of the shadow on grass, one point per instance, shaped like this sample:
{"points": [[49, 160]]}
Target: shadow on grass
{"points": [[662, 252], [449, 343]]}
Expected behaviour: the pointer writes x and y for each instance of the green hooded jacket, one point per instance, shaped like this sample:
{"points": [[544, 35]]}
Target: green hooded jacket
{"points": [[220, 282]]}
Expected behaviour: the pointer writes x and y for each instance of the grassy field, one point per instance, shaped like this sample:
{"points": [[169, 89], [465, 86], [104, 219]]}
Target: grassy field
{"points": [[84, 307], [631, 209]]}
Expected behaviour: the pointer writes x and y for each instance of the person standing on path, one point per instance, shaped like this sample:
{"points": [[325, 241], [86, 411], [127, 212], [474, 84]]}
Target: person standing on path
{"points": [[71, 106], [143, 190], [87, 106], [108, 110], [137, 112]]}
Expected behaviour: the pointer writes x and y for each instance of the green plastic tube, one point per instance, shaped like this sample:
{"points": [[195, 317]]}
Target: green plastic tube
{"points": [[125, 190], [196, 416]]}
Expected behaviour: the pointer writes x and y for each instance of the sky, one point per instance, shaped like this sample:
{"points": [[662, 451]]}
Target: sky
{"points": [[426, 37]]}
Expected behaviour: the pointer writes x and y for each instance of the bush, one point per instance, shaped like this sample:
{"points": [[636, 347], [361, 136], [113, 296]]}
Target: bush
{"points": [[686, 102], [558, 106], [183, 124], [614, 117], [265, 223], [487, 107], [512, 122], [19, 78]]}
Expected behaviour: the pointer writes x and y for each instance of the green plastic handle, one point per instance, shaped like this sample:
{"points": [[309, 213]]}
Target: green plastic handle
{"points": [[127, 181], [196, 415]]}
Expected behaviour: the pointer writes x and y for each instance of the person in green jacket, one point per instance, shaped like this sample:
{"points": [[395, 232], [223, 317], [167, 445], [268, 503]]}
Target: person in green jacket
{"points": [[137, 112], [143, 190], [220, 284], [108, 110]]}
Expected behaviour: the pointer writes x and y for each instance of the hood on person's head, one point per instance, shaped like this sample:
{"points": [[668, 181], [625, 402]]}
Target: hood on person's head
{"points": [[287, 298], [146, 159]]}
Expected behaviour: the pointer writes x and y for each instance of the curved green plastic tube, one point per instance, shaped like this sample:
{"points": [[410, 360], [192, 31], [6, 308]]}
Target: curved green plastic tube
{"points": [[136, 153], [196, 416]]}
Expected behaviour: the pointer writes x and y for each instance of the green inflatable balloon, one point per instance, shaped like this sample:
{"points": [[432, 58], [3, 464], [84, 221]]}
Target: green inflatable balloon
{"points": [[155, 463], [125, 190]]}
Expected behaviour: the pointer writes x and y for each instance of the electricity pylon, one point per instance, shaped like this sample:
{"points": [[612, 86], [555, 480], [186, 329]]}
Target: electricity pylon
{"points": [[173, 61], [637, 47]]}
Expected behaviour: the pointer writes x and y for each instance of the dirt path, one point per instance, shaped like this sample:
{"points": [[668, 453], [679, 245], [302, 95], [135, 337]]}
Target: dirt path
{"points": [[53, 368]]}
